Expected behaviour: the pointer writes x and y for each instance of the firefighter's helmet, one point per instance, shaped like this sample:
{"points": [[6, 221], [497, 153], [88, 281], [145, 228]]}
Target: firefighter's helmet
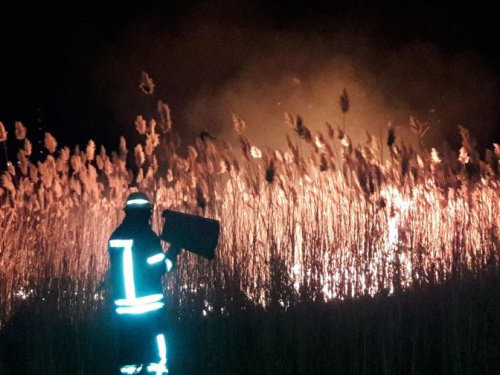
{"points": [[137, 201]]}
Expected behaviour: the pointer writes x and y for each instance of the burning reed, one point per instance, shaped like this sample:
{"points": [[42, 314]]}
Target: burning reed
{"points": [[321, 220]]}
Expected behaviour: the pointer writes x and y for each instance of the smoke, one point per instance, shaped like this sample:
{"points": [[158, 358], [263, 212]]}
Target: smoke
{"points": [[222, 60]]}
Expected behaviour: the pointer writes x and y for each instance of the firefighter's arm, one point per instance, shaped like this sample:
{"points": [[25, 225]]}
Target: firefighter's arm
{"points": [[168, 259], [165, 261], [157, 259], [171, 256]]}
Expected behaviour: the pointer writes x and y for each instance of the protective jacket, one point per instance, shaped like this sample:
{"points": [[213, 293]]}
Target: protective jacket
{"points": [[137, 265]]}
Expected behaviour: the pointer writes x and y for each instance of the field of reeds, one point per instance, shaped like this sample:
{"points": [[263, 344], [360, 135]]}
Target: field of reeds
{"points": [[322, 223]]}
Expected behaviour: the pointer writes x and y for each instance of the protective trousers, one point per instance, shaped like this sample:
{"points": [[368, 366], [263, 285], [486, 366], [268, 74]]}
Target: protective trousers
{"points": [[143, 343]]}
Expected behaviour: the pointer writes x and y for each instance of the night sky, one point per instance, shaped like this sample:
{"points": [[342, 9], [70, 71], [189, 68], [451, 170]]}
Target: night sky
{"points": [[75, 69]]}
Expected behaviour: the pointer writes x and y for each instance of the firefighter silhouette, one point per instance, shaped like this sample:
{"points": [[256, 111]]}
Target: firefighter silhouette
{"points": [[137, 264]]}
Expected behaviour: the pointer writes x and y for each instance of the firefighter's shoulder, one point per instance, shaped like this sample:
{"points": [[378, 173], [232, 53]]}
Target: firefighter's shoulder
{"points": [[121, 232]]}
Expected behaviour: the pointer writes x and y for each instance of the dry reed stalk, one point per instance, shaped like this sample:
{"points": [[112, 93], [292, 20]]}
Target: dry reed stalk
{"points": [[296, 226]]}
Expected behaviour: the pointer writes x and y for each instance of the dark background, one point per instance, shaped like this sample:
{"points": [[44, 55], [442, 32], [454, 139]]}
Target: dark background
{"points": [[73, 69]]}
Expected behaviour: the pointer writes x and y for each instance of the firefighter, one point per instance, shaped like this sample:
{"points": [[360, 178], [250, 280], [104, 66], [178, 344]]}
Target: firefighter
{"points": [[138, 263]]}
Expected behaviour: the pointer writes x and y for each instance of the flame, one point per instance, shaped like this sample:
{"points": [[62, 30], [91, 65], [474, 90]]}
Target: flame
{"points": [[359, 226]]}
